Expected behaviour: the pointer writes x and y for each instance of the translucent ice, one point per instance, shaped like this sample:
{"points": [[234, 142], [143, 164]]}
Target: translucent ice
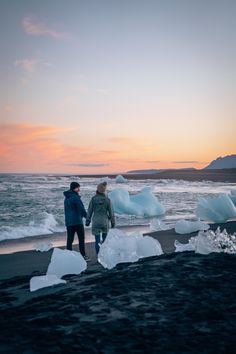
{"points": [[233, 196], [144, 203], [217, 209], [158, 225], [42, 246], [209, 241], [187, 227], [120, 179], [66, 262], [120, 247], [44, 281], [182, 247]]}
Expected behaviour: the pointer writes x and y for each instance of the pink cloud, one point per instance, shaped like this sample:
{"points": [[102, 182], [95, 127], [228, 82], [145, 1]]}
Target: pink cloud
{"points": [[26, 64], [35, 28]]}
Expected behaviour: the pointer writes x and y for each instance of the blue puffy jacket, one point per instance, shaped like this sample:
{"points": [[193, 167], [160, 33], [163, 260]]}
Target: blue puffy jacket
{"points": [[74, 208]]}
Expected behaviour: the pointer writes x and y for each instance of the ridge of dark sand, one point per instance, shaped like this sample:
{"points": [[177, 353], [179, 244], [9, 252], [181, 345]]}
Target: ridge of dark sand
{"points": [[174, 303], [220, 175]]}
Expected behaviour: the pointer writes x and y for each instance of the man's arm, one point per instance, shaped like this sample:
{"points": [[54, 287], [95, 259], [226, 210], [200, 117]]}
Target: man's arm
{"points": [[81, 207], [89, 213]]}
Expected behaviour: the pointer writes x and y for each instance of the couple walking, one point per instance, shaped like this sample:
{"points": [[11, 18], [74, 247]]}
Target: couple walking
{"points": [[100, 212]]}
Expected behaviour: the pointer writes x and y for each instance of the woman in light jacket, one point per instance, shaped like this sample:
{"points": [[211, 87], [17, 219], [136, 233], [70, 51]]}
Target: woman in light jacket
{"points": [[100, 211]]}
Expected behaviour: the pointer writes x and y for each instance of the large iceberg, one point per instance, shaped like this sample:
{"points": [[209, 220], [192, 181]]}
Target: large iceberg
{"points": [[233, 196], [66, 262], [120, 247], [187, 227], [209, 241], [144, 203], [120, 179], [217, 209], [44, 281]]}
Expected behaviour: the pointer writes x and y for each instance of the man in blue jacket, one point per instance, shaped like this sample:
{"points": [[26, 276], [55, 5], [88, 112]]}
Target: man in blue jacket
{"points": [[74, 214]]}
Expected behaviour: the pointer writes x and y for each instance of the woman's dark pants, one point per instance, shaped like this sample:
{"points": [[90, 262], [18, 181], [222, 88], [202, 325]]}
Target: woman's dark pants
{"points": [[98, 241]]}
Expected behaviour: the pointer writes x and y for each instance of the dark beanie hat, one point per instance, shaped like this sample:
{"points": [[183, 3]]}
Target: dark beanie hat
{"points": [[74, 185]]}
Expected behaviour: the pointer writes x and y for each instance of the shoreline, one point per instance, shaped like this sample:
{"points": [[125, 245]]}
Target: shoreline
{"points": [[58, 239], [31, 262]]}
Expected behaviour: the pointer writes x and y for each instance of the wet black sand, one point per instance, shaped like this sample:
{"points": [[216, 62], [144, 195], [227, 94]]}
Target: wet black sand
{"points": [[175, 303]]}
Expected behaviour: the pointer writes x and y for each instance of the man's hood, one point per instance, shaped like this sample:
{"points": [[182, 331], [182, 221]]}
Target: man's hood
{"points": [[69, 193]]}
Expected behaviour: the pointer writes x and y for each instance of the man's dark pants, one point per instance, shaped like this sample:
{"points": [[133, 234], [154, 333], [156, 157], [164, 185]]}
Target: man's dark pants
{"points": [[71, 230]]}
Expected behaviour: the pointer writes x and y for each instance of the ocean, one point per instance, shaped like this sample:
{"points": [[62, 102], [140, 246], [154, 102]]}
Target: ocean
{"points": [[32, 205]]}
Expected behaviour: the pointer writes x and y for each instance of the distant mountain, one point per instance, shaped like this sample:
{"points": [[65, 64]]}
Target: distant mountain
{"points": [[152, 171], [222, 162]]}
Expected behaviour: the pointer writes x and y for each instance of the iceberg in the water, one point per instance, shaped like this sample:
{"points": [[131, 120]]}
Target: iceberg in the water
{"points": [[44, 281], [66, 262], [209, 241], [187, 227], [145, 203], [217, 209], [120, 247], [158, 225], [42, 246], [232, 196], [120, 179]]}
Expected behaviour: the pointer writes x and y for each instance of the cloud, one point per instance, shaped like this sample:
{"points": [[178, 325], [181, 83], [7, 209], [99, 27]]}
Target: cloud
{"points": [[27, 65], [35, 28], [153, 161], [186, 162], [89, 164]]}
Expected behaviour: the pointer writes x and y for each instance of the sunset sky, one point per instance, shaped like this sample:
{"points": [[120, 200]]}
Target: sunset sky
{"points": [[103, 86]]}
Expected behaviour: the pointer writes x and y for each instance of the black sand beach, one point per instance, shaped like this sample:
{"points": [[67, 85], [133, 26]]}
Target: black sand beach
{"points": [[174, 303]]}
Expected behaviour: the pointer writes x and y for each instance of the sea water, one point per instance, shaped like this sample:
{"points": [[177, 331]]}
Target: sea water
{"points": [[32, 204]]}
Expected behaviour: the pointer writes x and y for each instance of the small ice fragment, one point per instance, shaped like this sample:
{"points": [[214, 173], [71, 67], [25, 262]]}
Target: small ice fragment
{"points": [[158, 225], [42, 246], [120, 179], [182, 247], [187, 227], [44, 281]]}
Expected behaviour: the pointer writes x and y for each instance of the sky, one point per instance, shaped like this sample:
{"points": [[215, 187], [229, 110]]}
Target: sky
{"points": [[107, 86]]}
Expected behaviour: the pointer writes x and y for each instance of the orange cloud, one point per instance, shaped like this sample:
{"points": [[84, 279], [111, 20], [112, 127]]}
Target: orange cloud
{"points": [[35, 28]]}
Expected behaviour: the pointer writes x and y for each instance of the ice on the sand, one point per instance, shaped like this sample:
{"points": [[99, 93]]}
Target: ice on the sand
{"points": [[120, 247], [209, 241], [232, 196], [158, 225], [44, 281], [182, 247], [66, 262], [145, 203], [42, 246], [187, 227], [120, 179], [217, 209]]}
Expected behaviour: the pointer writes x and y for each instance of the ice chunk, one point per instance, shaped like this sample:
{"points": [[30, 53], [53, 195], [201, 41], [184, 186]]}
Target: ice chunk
{"points": [[120, 247], [158, 225], [42, 246], [120, 179], [66, 262], [233, 196], [217, 209], [44, 281], [187, 227], [209, 241], [144, 203], [105, 179], [182, 247]]}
